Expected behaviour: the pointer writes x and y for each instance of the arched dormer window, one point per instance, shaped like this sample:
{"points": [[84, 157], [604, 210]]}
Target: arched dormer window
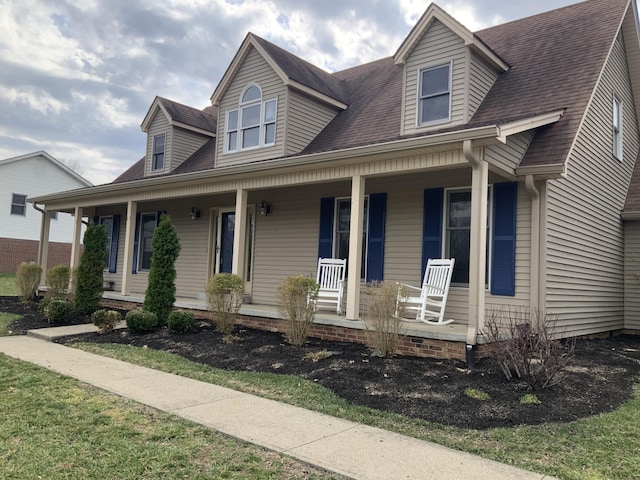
{"points": [[253, 123]]}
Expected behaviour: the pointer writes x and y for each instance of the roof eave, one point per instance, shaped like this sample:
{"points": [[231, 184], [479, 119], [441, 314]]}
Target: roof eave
{"points": [[630, 215], [543, 172], [488, 133]]}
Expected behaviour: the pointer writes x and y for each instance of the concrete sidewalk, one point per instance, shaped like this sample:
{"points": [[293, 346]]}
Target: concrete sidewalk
{"points": [[341, 446]]}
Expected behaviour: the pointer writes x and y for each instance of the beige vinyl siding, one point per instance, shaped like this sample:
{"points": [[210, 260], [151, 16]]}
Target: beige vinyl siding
{"points": [[184, 144], [305, 120], [508, 156], [585, 233], [632, 276], [439, 46], [159, 125], [254, 69], [482, 78], [287, 241]]}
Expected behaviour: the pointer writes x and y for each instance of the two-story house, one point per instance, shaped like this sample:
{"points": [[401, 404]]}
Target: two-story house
{"points": [[510, 149], [22, 177]]}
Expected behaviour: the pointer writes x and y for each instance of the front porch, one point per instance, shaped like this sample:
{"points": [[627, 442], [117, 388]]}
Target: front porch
{"points": [[417, 339]]}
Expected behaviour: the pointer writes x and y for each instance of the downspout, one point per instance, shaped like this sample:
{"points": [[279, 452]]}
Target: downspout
{"points": [[534, 193], [476, 298]]}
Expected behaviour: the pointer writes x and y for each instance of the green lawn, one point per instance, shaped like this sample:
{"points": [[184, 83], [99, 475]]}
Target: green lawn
{"points": [[8, 285], [601, 447], [55, 427]]}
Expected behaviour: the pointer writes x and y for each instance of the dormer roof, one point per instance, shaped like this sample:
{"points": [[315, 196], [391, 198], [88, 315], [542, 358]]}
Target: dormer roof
{"points": [[292, 70], [434, 12], [179, 115]]}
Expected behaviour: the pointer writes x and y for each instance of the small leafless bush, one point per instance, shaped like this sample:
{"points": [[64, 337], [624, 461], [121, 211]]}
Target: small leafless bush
{"points": [[224, 296], [524, 344], [298, 295], [28, 279], [383, 317]]}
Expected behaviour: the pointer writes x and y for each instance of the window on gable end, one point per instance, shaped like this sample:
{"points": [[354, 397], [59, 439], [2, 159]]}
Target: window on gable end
{"points": [[157, 160], [434, 95], [18, 204], [617, 128], [253, 123]]}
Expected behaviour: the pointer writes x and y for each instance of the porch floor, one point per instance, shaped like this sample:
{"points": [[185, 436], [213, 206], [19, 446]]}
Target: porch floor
{"points": [[453, 332]]}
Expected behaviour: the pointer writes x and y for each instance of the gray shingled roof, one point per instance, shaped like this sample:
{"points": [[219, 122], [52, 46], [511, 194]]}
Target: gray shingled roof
{"points": [[190, 116], [555, 59]]}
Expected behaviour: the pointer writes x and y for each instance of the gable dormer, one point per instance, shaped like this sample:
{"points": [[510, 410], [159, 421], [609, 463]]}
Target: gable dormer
{"points": [[447, 73], [272, 103], [174, 133]]}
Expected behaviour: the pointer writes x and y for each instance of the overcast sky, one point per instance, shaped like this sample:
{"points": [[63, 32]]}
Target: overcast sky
{"points": [[78, 76]]}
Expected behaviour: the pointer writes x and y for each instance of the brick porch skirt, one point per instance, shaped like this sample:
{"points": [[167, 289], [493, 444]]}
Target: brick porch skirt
{"points": [[409, 345]]}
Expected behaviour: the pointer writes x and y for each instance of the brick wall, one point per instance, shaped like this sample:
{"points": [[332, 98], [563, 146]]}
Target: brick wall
{"points": [[15, 251]]}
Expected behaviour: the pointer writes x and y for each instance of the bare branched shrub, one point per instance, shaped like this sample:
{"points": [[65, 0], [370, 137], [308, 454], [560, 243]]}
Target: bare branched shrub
{"points": [[383, 318], [524, 344], [224, 296], [58, 278], [28, 280], [298, 295]]}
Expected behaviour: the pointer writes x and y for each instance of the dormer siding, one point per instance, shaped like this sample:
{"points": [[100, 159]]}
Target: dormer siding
{"points": [[438, 46], [481, 79], [184, 144], [159, 126], [254, 70], [306, 118]]}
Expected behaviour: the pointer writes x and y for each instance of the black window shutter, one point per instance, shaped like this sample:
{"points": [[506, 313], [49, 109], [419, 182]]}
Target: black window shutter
{"points": [[432, 226], [375, 246], [325, 242], [503, 265]]}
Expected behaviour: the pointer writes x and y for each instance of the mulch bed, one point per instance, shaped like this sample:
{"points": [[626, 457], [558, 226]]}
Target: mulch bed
{"points": [[600, 378]]}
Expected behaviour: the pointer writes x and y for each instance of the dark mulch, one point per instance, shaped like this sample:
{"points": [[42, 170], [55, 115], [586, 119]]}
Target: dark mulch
{"points": [[600, 379]]}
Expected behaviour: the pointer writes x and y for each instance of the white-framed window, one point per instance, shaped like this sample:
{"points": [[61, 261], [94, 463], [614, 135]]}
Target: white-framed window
{"points": [[107, 221], [253, 123], [18, 204], [157, 158], [342, 230], [457, 237], [434, 95], [148, 223], [617, 128]]}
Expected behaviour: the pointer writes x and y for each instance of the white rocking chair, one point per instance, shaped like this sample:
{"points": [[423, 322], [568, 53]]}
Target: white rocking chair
{"points": [[331, 273], [430, 301]]}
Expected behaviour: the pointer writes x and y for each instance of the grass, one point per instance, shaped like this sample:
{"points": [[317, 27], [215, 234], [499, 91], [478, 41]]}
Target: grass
{"points": [[601, 447], [8, 285], [55, 427], [6, 319]]}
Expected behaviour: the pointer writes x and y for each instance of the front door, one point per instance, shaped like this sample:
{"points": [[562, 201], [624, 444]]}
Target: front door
{"points": [[224, 246]]}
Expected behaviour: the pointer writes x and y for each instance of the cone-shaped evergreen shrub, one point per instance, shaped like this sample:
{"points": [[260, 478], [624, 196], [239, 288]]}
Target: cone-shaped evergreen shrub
{"points": [[90, 272], [161, 291]]}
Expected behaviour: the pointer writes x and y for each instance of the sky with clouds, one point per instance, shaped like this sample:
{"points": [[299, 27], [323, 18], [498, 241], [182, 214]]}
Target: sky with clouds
{"points": [[78, 76]]}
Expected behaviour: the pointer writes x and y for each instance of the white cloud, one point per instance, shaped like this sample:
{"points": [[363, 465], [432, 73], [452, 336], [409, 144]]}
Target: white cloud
{"points": [[33, 98]]}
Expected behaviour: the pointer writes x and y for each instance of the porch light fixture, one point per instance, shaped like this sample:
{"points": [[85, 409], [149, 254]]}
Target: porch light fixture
{"points": [[265, 209], [195, 213]]}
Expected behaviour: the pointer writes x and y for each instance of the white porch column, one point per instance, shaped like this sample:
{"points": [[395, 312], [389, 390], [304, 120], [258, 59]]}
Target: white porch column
{"points": [[43, 246], [240, 233], [478, 249], [129, 235], [355, 248], [75, 244]]}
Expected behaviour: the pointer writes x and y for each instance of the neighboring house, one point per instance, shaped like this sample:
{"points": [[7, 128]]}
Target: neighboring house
{"points": [[510, 149], [26, 176]]}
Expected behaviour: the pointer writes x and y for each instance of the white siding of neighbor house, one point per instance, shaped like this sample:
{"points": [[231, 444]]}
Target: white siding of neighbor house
{"points": [[254, 69], [34, 176], [482, 78], [184, 144], [159, 125], [305, 120], [632, 276], [585, 276], [438, 46], [508, 156]]}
